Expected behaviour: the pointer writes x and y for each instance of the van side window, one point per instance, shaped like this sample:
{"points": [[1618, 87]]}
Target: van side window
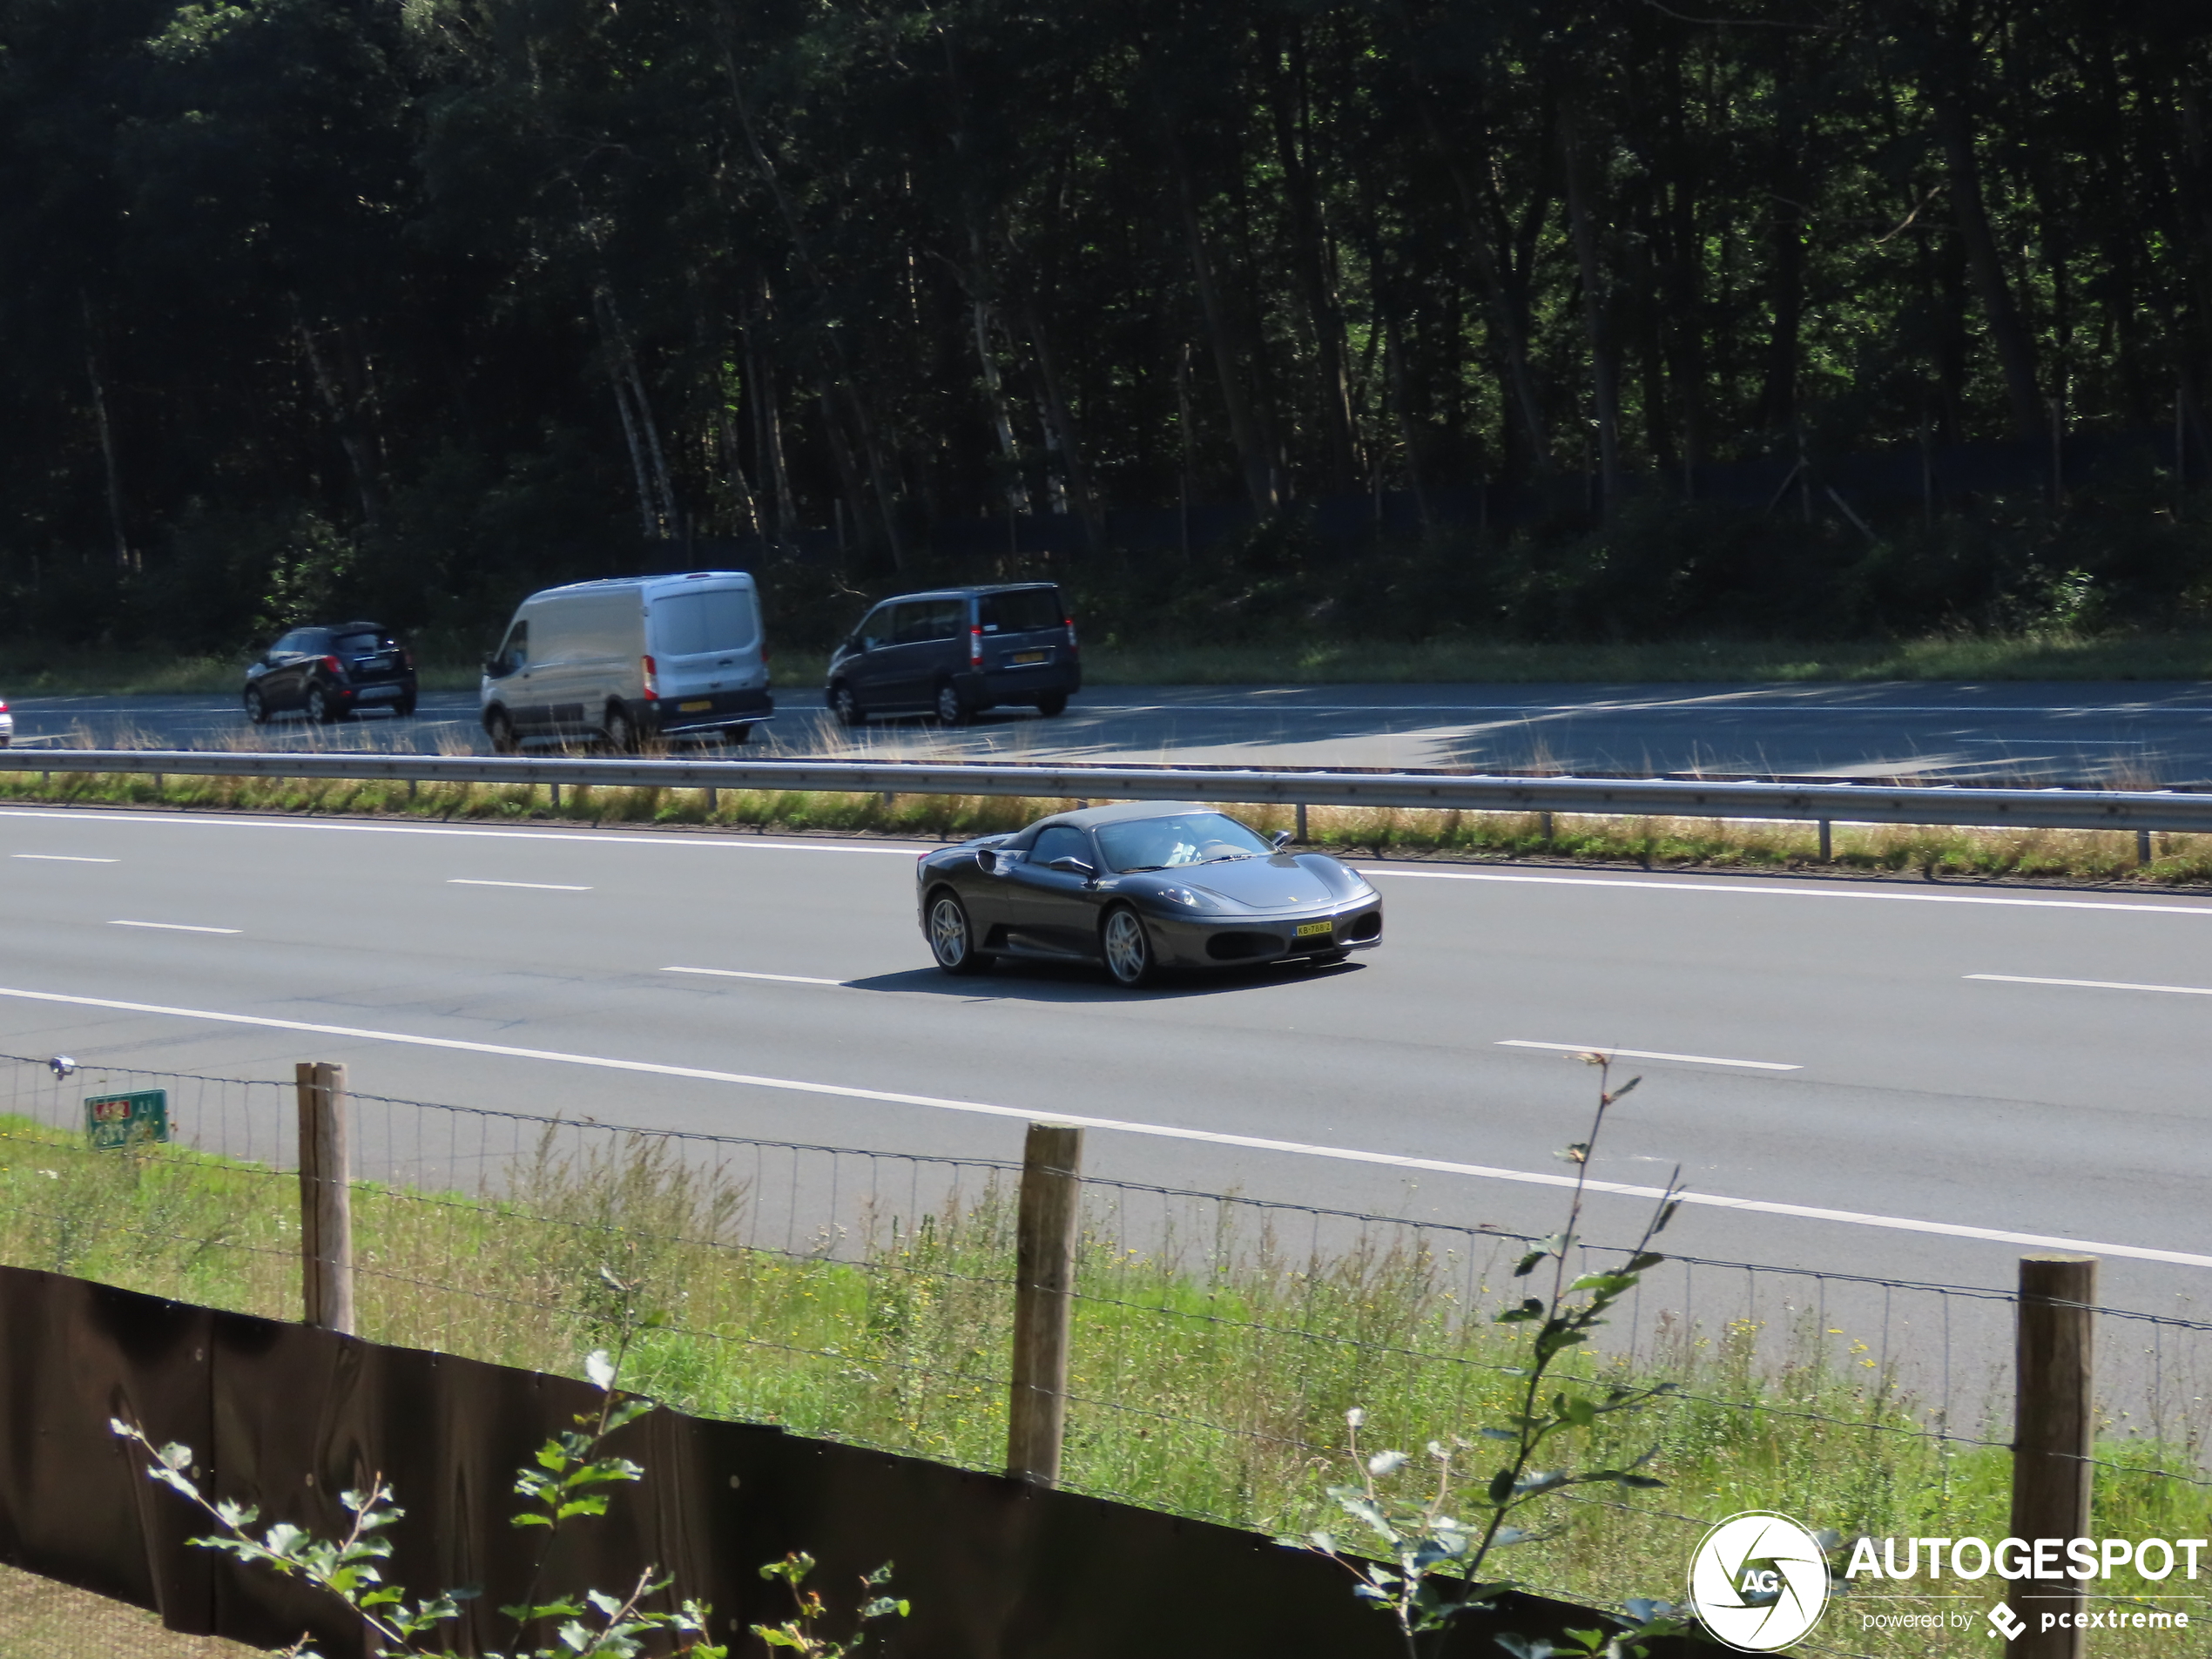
{"points": [[876, 631], [515, 653], [933, 619]]}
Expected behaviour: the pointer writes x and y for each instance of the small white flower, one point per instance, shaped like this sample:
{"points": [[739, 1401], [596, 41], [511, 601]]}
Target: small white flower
{"points": [[1385, 1463], [51, 1175], [1355, 1416], [1436, 1449]]}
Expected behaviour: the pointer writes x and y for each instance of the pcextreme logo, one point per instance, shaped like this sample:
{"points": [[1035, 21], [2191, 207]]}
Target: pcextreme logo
{"points": [[1759, 1581]]}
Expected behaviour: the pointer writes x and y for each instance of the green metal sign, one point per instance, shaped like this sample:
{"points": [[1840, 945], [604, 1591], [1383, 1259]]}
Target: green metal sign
{"points": [[115, 1121]]}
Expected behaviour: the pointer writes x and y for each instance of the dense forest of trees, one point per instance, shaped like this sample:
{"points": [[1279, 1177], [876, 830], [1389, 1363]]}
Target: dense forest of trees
{"points": [[417, 303]]}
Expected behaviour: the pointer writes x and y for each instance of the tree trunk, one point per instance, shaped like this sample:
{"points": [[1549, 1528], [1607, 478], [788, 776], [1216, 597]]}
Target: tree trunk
{"points": [[1786, 245], [342, 420], [1605, 370], [1508, 301], [1062, 422], [623, 365], [1017, 491], [1985, 266], [863, 420], [110, 472], [1324, 317]]}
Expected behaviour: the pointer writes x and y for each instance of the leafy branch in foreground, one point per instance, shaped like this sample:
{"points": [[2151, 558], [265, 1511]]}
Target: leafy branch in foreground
{"points": [[571, 1477], [1434, 1563], [801, 1633]]}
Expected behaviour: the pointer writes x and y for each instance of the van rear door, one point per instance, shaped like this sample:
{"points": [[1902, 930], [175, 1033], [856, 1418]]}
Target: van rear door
{"points": [[705, 639]]}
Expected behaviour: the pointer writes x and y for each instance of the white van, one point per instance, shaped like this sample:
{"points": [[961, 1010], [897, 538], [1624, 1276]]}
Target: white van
{"points": [[631, 658]]}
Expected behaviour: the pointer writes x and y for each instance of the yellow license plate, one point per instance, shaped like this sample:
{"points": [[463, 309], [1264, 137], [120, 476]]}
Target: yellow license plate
{"points": [[699, 707], [1031, 656], [1314, 929]]}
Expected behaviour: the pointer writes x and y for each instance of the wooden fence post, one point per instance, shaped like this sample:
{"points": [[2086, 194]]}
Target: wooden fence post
{"points": [[2055, 1386], [1044, 1280], [326, 1198]]}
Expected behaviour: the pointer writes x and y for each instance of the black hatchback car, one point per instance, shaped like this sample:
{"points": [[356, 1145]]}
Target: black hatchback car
{"points": [[956, 652], [331, 674]]}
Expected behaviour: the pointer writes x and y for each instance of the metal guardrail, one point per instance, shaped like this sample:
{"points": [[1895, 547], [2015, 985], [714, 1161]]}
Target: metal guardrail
{"points": [[2143, 811]]}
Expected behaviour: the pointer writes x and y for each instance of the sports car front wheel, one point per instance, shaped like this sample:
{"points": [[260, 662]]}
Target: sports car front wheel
{"points": [[951, 939], [1127, 947]]}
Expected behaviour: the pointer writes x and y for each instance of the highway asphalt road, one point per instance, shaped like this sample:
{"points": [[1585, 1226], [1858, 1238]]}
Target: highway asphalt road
{"points": [[2121, 733], [1907, 1080]]}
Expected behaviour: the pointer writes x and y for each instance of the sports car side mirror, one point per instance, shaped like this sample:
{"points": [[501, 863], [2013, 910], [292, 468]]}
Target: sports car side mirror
{"points": [[1282, 838], [1072, 867]]}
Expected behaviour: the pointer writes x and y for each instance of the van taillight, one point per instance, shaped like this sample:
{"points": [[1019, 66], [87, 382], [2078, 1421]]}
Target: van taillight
{"points": [[652, 679], [407, 657], [334, 666], [1072, 645], [975, 647]]}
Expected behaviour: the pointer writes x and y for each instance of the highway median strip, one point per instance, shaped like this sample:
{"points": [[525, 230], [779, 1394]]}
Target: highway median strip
{"points": [[1683, 842]]}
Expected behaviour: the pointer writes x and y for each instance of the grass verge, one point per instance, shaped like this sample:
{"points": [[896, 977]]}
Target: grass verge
{"points": [[28, 670], [1209, 1378], [2102, 857]]}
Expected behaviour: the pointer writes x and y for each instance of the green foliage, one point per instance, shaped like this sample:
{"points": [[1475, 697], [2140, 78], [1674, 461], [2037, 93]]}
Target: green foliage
{"points": [[1435, 1564], [498, 295], [572, 1478], [801, 1632]]}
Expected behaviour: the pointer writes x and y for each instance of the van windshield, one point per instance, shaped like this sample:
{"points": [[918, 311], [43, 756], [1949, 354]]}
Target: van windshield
{"points": [[1021, 610], [691, 625]]}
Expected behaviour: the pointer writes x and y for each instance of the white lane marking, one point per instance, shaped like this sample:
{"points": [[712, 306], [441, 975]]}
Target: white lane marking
{"points": [[733, 972], [61, 858], [1645, 1054], [536, 886], [1700, 706], [1754, 888], [647, 837], [1163, 1131], [2094, 984], [173, 926]]}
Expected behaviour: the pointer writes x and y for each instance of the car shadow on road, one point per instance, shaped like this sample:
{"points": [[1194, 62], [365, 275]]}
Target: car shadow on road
{"points": [[1051, 982]]}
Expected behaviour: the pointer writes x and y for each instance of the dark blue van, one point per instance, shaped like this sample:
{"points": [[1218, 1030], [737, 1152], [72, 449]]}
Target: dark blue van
{"points": [[957, 652]]}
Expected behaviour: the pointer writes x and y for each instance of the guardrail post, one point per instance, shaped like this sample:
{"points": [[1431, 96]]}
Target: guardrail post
{"points": [[1301, 823], [326, 1198], [1544, 826], [1827, 855], [1044, 1280], [2142, 847], [2055, 1389]]}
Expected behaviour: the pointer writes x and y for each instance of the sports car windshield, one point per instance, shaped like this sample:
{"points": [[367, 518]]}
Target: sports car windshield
{"points": [[1164, 843]]}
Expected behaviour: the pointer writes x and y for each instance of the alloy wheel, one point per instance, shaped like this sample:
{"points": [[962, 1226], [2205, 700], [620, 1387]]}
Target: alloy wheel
{"points": [[951, 709], [949, 939], [1128, 951], [257, 710]]}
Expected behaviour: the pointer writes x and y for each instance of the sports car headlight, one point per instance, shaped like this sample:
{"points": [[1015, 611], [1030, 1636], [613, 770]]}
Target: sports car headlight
{"points": [[1189, 899]]}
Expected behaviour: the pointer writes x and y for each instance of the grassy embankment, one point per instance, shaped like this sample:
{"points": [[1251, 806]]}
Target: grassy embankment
{"points": [[28, 670], [1934, 853], [1210, 1387]]}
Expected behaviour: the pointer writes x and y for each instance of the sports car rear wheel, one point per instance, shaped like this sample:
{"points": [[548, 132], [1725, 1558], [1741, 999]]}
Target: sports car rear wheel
{"points": [[1127, 947], [951, 939]]}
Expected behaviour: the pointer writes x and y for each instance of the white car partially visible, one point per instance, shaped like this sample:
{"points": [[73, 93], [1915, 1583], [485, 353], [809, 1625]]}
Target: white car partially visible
{"points": [[7, 724]]}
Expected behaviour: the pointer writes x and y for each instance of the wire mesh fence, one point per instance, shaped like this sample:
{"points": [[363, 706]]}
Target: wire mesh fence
{"points": [[1219, 1340]]}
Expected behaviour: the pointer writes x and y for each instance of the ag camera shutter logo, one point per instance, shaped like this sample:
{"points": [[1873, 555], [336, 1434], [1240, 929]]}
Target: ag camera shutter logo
{"points": [[1759, 1582]]}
